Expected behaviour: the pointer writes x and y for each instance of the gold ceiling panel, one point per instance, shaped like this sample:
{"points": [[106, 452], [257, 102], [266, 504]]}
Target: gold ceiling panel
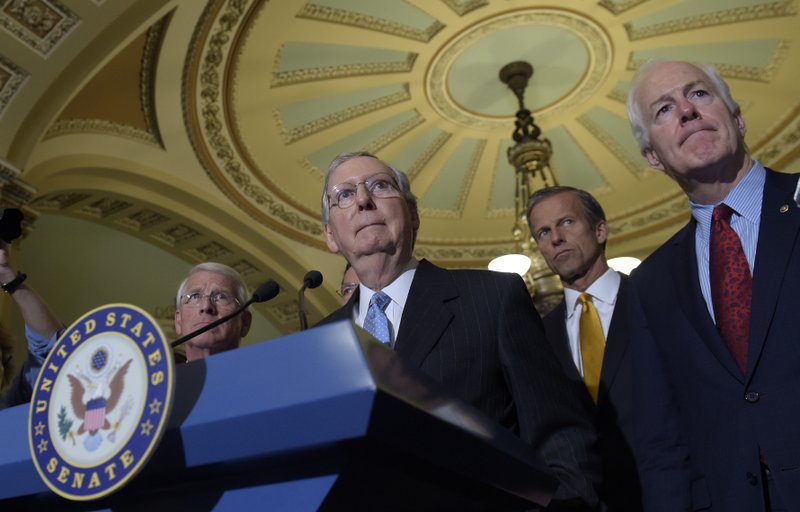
{"points": [[38, 24]]}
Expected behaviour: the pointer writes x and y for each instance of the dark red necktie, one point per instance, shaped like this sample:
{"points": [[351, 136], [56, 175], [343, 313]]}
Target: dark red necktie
{"points": [[731, 285]]}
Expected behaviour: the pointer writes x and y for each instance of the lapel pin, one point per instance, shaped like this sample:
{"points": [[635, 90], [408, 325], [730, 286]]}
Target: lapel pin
{"points": [[784, 208]]}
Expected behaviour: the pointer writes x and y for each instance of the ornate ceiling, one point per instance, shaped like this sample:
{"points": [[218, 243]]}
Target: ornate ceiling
{"points": [[202, 129]]}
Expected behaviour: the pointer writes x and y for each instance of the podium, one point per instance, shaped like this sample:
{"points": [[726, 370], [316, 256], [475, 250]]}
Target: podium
{"points": [[325, 419]]}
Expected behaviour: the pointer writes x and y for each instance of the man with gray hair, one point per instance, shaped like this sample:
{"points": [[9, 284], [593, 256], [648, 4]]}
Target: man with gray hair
{"points": [[474, 331], [714, 309], [211, 291]]}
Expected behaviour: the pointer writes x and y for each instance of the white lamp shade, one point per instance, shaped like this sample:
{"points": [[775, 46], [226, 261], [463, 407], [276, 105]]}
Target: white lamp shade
{"points": [[624, 264], [517, 263]]}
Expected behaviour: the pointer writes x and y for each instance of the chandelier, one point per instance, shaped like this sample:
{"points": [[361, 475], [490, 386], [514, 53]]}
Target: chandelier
{"points": [[530, 157]]}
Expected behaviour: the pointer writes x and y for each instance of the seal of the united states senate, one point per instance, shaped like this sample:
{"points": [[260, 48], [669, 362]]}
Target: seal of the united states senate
{"points": [[101, 402]]}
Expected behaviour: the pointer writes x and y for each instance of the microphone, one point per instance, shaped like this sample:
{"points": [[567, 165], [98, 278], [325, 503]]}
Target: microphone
{"points": [[266, 291], [312, 279]]}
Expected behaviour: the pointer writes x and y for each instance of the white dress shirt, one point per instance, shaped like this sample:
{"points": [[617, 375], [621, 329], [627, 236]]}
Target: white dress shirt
{"points": [[397, 290], [604, 297]]}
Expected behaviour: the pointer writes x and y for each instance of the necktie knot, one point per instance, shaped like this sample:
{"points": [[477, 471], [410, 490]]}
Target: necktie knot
{"points": [[584, 298], [722, 212], [376, 322], [381, 300]]}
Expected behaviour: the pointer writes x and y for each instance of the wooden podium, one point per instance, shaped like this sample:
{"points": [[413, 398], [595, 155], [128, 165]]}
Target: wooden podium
{"points": [[325, 419]]}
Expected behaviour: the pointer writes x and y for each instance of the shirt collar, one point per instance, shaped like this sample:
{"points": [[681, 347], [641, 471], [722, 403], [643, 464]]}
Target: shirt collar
{"points": [[604, 289], [397, 290], [740, 199]]}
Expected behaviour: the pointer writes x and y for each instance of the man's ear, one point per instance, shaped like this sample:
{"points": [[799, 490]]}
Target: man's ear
{"points": [[330, 240], [741, 124], [652, 158], [178, 328], [247, 319], [601, 232]]}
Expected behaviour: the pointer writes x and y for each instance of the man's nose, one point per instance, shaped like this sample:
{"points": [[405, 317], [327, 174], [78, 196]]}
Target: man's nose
{"points": [[556, 237], [364, 197], [688, 111], [207, 305]]}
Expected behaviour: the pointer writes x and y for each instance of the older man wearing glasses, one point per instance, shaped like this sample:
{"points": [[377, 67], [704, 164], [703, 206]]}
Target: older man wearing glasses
{"points": [[210, 291], [474, 331]]}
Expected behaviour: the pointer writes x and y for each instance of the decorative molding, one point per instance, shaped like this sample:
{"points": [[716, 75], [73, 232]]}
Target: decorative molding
{"points": [[213, 146], [245, 268], [667, 211], [592, 35], [142, 220], [323, 123], [59, 202], [147, 76], [176, 235], [105, 207], [284, 312], [427, 154], [736, 15], [297, 76], [212, 251], [12, 78], [619, 95], [101, 126], [619, 7], [8, 171], [39, 24], [462, 7], [465, 252], [636, 168], [356, 19], [395, 133], [742, 72], [463, 193], [787, 140]]}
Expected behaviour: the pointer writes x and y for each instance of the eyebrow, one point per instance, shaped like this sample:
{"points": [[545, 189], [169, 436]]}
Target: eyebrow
{"points": [[686, 87]]}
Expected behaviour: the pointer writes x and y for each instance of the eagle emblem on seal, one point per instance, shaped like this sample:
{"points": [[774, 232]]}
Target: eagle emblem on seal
{"points": [[95, 393]]}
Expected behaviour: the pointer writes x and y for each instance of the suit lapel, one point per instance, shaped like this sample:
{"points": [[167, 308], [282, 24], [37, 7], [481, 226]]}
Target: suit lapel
{"points": [[691, 301], [556, 330], [618, 338], [777, 236], [426, 315]]}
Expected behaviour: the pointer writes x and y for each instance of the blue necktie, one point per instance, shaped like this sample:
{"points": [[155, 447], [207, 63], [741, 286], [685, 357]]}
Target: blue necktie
{"points": [[376, 322]]}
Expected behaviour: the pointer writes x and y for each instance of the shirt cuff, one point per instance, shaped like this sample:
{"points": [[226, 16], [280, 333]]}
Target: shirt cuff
{"points": [[38, 345]]}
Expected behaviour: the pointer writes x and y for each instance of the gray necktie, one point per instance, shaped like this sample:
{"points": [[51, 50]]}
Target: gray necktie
{"points": [[376, 322]]}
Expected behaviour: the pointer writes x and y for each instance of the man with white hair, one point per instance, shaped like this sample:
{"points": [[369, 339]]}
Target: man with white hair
{"points": [[211, 291], [474, 331], [714, 310]]}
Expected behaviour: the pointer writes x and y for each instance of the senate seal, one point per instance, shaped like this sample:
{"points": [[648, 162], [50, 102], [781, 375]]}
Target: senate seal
{"points": [[101, 402]]}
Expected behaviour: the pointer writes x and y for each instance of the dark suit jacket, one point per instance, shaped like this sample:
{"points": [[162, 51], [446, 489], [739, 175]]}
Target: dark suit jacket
{"points": [[477, 333], [614, 411], [701, 422]]}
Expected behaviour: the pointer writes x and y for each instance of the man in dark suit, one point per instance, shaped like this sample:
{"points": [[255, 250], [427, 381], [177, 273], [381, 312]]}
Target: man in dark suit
{"points": [[715, 309], [474, 331], [570, 229]]}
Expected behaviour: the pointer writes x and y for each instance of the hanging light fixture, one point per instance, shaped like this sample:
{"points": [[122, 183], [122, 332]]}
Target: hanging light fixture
{"points": [[530, 156]]}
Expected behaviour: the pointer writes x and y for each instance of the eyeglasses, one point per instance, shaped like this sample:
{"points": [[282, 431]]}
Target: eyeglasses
{"points": [[347, 289], [378, 185], [222, 300]]}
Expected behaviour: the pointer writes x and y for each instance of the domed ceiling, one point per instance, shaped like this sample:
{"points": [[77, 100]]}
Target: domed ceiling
{"points": [[205, 128]]}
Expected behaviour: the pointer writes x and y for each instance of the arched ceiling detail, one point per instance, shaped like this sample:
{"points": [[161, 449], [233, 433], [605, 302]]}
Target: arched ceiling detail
{"points": [[165, 119]]}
